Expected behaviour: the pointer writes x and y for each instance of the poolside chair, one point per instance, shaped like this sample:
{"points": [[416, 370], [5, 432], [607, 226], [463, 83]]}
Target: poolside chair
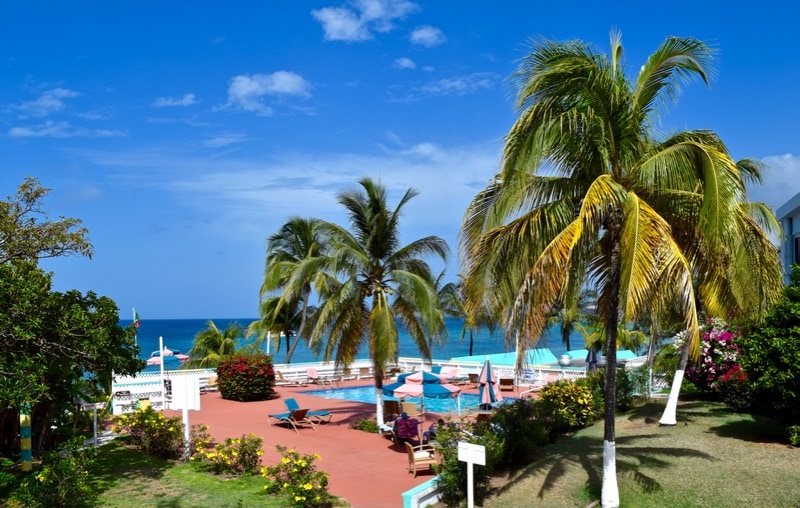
{"points": [[321, 416], [210, 386], [363, 372], [421, 456], [293, 418], [282, 381], [410, 408], [391, 407], [473, 379], [506, 383], [454, 376], [315, 378]]}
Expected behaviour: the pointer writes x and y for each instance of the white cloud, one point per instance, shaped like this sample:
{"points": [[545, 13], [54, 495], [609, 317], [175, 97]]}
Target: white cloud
{"points": [[427, 36], [50, 129], [50, 102], [187, 100], [404, 63], [247, 91], [225, 140], [363, 17], [781, 182], [459, 85]]}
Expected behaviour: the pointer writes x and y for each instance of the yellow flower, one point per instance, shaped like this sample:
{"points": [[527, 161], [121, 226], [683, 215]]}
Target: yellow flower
{"points": [[308, 486], [285, 460], [316, 456]]}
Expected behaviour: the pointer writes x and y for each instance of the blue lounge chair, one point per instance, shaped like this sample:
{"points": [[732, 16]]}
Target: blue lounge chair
{"points": [[321, 416], [293, 418]]}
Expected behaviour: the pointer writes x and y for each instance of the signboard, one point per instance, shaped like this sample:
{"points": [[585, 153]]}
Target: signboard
{"points": [[185, 393], [471, 453]]}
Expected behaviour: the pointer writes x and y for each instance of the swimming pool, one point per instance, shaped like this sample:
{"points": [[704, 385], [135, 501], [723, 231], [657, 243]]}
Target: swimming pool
{"points": [[367, 394]]}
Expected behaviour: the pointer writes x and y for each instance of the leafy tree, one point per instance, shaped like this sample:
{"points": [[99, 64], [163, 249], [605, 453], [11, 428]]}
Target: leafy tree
{"points": [[770, 357], [384, 284], [213, 345], [586, 189], [295, 262], [26, 233], [55, 348]]}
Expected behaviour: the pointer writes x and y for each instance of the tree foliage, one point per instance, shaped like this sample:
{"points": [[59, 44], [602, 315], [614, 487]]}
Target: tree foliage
{"points": [[26, 232], [56, 349], [770, 358]]}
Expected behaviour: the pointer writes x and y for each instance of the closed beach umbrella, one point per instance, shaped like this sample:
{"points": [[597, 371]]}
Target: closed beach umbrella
{"points": [[591, 359], [489, 394]]}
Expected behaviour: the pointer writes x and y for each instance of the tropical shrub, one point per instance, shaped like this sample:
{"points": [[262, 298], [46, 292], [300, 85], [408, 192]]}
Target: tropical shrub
{"points": [[240, 456], [771, 358], [246, 377], [63, 480], [296, 477], [366, 425], [152, 432], [794, 435], [734, 389], [719, 352], [565, 406], [595, 382], [520, 432], [451, 482]]}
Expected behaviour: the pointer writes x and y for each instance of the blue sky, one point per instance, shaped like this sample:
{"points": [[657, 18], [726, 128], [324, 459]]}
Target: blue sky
{"points": [[184, 134]]}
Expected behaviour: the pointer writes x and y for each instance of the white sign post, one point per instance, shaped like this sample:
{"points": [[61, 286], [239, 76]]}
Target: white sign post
{"points": [[471, 454], [94, 406], [186, 396]]}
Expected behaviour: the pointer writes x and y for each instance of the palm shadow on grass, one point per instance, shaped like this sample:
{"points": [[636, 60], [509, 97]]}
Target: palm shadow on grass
{"points": [[586, 452], [756, 430]]}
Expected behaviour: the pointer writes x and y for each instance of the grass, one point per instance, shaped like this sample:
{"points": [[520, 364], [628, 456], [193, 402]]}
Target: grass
{"points": [[126, 477], [710, 458]]}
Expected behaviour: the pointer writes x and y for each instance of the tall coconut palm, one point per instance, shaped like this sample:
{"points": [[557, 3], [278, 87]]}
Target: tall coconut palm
{"points": [[213, 345], [295, 266], [585, 182], [383, 284], [454, 304]]}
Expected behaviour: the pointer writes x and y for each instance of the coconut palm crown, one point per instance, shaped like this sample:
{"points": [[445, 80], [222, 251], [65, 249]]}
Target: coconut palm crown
{"points": [[587, 191], [383, 284]]}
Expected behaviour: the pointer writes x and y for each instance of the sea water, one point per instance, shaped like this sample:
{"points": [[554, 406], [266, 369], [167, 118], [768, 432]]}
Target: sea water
{"points": [[179, 334]]}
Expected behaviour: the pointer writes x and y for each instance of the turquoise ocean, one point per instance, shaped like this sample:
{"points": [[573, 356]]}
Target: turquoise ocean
{"points": [[178, 335]]}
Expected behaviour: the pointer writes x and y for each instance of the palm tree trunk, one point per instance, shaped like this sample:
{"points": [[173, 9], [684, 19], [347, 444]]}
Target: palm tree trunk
{"points": [[300, 331], [669, 417], [471, 341], [609, 496]]}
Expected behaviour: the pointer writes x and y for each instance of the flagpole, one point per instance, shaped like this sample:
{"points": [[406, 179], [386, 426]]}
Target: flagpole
{"points": [[136, 324]]}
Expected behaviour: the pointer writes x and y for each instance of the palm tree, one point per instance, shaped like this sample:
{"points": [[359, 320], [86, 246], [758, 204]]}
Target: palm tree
{"points": [[454, 304], [295, 265], [586, 187], [213, 345], [384, 284]]}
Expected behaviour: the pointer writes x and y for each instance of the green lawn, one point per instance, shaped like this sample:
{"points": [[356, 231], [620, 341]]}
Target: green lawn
{"points": [[126, 478], [711, 458]]}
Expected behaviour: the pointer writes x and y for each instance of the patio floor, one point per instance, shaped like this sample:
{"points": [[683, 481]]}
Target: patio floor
{"points": [[365, 469]]}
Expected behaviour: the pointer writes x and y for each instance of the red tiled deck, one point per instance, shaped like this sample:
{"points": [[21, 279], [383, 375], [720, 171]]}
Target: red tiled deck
{"points": [[365, 469]]}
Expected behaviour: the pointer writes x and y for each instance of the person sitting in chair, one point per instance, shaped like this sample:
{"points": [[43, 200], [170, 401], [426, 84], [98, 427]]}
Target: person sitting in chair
{"points": [[406, 430], [430, 434]]}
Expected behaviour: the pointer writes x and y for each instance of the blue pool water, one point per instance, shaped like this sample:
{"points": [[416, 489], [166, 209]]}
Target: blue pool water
{"points": [[367, 394]]}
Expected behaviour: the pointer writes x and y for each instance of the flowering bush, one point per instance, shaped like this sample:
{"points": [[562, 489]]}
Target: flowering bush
{"points": [[296, 477], [719, 353], [63, 480], [240, 456], [246, 377], [152, 432]]}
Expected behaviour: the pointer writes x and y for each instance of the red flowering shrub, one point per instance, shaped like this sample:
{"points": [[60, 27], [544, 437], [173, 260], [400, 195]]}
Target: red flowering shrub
{"points": [[246, 377], [719, 353], [734, 389]]}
